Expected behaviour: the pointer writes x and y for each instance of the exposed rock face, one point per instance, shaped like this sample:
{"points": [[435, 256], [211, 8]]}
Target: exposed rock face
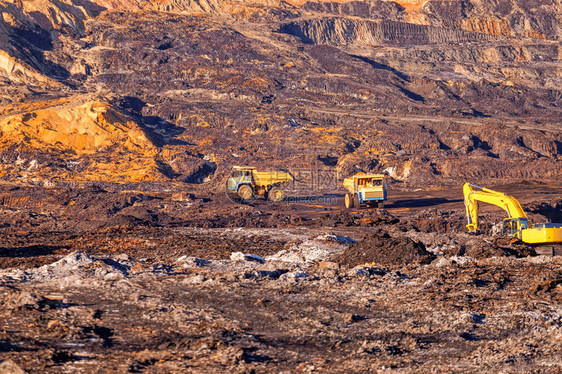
{"points": [[83, 129], [77, 141], [419, 89], [20, 72], [339, 31]]}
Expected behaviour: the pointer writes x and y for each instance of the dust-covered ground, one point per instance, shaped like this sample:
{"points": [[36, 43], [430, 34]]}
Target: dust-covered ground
{"points": [[107, 279]]}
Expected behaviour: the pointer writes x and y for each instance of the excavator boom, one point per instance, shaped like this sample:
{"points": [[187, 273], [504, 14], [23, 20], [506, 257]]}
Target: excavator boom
{"points": [[473, 194]]}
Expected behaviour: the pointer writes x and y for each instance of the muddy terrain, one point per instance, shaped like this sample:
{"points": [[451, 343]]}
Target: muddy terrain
{"points": [[121, 251]]}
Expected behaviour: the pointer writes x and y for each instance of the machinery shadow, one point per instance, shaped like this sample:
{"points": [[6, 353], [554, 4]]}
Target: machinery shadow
{"points": [[30, 251], [419, 203]]}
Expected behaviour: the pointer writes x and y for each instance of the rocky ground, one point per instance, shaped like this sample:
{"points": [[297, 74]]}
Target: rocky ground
{"points": [[105, 280]]}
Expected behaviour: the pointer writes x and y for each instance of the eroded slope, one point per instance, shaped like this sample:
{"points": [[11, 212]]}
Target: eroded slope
{"points": [[417, 89], [76, 140]]}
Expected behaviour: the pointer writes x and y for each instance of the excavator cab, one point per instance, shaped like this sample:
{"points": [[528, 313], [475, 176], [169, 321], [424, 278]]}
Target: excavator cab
{"points": [[513, 226]]}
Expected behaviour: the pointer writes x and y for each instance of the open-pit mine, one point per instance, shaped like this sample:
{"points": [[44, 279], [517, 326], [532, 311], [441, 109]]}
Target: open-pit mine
{"points": [[127, 244]]}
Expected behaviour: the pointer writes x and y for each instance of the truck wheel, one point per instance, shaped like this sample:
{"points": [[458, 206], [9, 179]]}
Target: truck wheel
{"points": [[381, 205], [275, 195], [348, 201], [245, 192], [356, 203]]}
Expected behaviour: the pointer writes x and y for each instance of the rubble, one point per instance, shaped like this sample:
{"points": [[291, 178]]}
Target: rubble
{"points": [[358, 292]]}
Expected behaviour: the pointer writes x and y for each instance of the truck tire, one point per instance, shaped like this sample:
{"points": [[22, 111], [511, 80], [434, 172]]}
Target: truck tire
{"points": [[245, 193], [348, 201], [356, 203], [275, 195]]}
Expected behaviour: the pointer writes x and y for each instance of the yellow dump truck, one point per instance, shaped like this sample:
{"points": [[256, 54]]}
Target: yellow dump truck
{"points": [[247, 183], [365, 189]]}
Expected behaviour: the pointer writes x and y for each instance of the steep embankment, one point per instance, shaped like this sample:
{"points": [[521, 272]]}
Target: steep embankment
{"points": [[29, 31], [75, 140], [511, 42], [342, 31], [502, 18]]}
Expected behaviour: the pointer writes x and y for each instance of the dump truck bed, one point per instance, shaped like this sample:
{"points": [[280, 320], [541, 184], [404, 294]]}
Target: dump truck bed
{"points": [[268, 178]]}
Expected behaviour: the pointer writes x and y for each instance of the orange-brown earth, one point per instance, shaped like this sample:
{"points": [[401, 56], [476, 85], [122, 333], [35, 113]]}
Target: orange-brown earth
{"points": [[121, 252]]}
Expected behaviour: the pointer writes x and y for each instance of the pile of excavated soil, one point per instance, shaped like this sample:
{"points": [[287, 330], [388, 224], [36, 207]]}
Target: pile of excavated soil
{"points": [[551, 210], [500, 246], [383, 249]]}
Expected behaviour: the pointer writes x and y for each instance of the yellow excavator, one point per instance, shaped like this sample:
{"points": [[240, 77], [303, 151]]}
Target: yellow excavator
{"points": [[517, 224]]}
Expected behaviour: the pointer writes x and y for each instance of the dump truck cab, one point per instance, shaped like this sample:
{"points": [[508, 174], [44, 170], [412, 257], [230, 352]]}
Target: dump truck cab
{"points": [[365, 189], [239, 175]]}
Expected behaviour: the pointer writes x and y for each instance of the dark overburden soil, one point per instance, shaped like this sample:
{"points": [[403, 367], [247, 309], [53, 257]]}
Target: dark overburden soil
{"points": [[381, 248], [149, 291]]}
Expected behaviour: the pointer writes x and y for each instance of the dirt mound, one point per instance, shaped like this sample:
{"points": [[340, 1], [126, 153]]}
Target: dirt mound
{"points": [[551, 210], [381, 248], [500, 246]]}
